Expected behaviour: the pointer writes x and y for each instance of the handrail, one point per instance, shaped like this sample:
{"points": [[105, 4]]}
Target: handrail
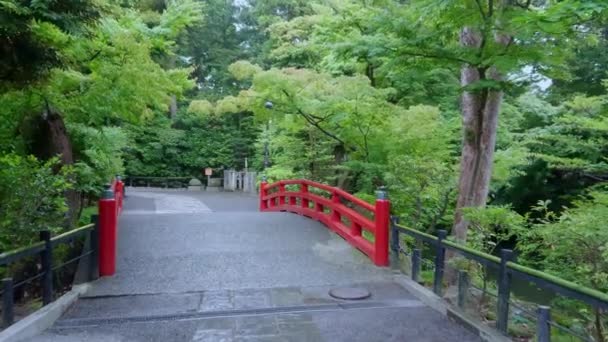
{"points": [[67, 236], [505, 266], [331, 189], [275, 197], [23, 252], [100, 246], [44, 249], [132, 180]]}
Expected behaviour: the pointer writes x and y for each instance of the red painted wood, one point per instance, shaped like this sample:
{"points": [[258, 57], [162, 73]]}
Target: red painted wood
{"points": [[374, 221], [108, 216]]}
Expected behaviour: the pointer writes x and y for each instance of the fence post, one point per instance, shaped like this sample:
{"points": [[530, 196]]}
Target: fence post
{"points": [[382, 218], [504, 291], [439, 263], [8, 316], [335, 202], [394, 239], [281, 194], [463, 288], [543, 328], [415, 264], [263, 202], [107, 233], [304, 192], [46, 262], [94, 240]]}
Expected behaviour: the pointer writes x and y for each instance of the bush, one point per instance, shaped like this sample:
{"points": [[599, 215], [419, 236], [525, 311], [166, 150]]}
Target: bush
{"points": [[31, 198]]}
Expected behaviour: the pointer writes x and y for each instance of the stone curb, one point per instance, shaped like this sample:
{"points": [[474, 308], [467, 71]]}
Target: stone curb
{"points": [[44, 318], [429, 298]]}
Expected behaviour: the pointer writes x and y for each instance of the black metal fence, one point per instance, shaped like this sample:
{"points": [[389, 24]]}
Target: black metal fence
{"points": [[507, 270], [44, 251], [158, 182]]}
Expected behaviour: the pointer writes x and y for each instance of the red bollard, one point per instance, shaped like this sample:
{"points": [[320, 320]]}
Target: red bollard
{"points": [[120, 194], [263, 202], [107, 233], [383, 212]]}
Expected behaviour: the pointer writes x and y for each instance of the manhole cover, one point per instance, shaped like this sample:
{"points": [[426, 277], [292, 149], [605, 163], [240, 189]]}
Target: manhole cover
{"points": [[350, 293]]}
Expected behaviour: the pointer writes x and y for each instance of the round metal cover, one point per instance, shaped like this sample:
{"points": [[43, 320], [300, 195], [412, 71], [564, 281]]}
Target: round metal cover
{"points": [[349, 293]]}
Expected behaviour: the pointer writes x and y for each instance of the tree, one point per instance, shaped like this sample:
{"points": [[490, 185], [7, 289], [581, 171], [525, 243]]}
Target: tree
{"points": [[496, 39], [33, 37]]}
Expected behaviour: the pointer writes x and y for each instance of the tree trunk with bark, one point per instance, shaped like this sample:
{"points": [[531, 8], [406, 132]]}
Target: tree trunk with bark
{"points": [[51, 139], [480, 109], [173, 107]]}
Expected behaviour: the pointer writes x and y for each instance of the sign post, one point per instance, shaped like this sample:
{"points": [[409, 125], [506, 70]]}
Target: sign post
{"points": [[208, 173]]}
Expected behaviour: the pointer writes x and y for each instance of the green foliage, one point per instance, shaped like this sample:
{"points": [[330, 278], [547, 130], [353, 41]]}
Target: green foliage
{"points": [[492, 226], [34, 35], [33, 199], [100, 156], [421, 166], [195, 140], [576, 139], [574, 246]]}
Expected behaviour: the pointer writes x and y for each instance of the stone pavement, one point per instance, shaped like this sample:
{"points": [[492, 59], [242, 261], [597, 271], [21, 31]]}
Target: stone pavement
{"points": [[195, 266]]}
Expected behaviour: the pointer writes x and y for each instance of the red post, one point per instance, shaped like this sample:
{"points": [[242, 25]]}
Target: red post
{"points": [[383, 212], [263, 201], [120, 193], [281, 194], [107, 233], [335, 202], [304, 192]]}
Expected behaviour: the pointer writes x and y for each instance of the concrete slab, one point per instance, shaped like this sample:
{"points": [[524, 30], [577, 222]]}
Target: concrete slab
{"points": [[366, 325]]}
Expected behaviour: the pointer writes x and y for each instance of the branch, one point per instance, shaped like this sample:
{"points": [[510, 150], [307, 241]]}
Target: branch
{"points": [[483, 14], [309, 118], [594, 177], [435, 56]]}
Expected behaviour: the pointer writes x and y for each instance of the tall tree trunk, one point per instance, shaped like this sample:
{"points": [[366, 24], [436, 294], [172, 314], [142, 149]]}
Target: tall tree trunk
{"points": [[52, 140], [173, 107], [480, 109]]}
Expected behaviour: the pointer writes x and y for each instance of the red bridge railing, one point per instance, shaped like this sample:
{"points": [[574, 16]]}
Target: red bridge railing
{"points": [[363, 225]]}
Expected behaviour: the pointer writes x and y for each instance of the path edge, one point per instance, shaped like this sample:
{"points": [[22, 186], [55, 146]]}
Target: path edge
{"points": [[436, 303], [40, 320]]}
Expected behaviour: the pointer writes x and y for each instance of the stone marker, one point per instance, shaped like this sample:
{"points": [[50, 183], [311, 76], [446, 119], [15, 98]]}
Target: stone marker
{"points": [[195, 185], [215, 184]]}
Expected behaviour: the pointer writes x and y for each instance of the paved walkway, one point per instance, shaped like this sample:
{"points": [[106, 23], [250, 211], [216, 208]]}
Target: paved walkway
{"points": [[209, 267]]}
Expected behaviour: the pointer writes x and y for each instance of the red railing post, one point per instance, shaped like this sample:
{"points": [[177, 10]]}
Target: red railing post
{"points": [[263, 201], [120, 189], [281, 194], [108, 216], [292, 200], [335, 202], [382, 219], [304, 192]]}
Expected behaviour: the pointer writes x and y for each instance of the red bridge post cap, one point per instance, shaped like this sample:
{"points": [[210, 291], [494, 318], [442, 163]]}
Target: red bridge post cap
{"points": [[382, 193], [107, 192]]}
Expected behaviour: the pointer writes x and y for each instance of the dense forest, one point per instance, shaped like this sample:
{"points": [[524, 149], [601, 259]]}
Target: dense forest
{"points": [[488, 118]]}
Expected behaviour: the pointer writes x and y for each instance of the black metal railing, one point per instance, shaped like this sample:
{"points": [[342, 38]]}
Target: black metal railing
{"points": [[44, 250], [158, 182], [507, 270]]}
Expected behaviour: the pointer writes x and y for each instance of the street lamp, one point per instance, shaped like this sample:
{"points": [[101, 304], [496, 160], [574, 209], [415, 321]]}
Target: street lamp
{"points": [[269, 105]]}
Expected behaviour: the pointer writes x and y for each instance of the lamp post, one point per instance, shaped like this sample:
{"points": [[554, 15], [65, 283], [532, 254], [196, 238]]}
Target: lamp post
{"points": [[269, 105]]}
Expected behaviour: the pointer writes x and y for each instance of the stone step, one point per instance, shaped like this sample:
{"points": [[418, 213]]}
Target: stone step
{"points": [[163, 306]]}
